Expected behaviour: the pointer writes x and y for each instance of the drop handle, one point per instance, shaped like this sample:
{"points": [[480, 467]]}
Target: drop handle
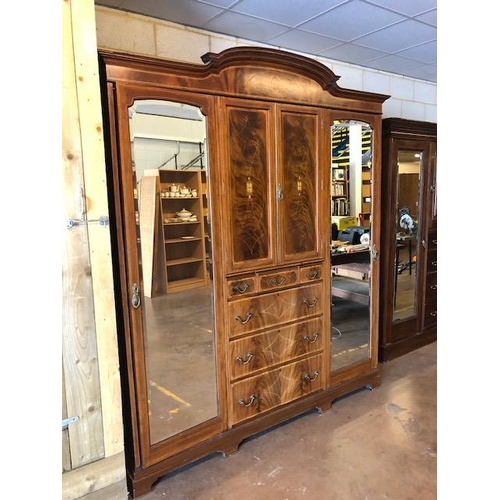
{"points": [[308, 377], [240, 287], [315, 337], [244, 321], [313, 274], [241, 402], [277, 280], [249, 356], [136, 297], [434, 287], [310, 304]]}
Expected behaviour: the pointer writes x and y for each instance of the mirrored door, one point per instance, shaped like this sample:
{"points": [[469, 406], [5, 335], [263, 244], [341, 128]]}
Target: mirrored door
{"points": [[163, 203], [406, 220], [350, 212]]}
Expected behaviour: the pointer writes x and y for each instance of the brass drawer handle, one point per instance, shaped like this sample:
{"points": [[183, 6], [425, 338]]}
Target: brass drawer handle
{"points": [[310, 304], [312, 274], [434, 314], [308, 339], [241, 402], [240, 287], [434, 287], [434, 263], [245, 361], [435, 242], [308, 377], [244, 321], [277, 280]]}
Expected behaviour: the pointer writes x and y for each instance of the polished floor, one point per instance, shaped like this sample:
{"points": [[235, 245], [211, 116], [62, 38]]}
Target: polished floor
{"points": [[370, 445]]}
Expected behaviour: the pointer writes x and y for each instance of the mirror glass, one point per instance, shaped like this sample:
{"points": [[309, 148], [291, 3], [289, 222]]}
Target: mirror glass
{"points": [[168, 144], [350, 208], [406, 221]]}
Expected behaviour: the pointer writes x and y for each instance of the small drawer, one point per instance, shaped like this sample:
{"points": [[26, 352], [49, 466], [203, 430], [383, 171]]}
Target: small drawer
{"points": [[310, 273], [276, 280], [265, 350], [259, 394], [241, 286]]}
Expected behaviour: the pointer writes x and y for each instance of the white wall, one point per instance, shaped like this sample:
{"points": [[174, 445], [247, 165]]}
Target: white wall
{"points": [[117, 30]]}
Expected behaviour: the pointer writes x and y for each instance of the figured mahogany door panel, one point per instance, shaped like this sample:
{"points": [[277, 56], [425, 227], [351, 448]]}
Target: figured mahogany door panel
{"points": [[249, 195], [265, 350], [272, 309], [298, 172], [256, 395]]}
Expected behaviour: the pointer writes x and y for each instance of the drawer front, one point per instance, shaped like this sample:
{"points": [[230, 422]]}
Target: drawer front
{"points": [[241, 286], [261, 393], [265, 350], [432, 239], [432, 260], [430, 286], [430, 313], [276, 280], [272, 309], [311, 273]]}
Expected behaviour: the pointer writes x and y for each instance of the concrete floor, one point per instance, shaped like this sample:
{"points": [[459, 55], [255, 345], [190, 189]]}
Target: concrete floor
{"points": [[371, 445]]}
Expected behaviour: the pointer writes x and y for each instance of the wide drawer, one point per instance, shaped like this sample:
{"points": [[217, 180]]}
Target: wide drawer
{"points": [[272, 309], [261, 393], [265, 350]]}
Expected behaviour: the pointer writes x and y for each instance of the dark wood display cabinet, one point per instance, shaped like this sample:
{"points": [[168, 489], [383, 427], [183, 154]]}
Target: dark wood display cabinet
{"points": [[408, 318], [253, 334]]}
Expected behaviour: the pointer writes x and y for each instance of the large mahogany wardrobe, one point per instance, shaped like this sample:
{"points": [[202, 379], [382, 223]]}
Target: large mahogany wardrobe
{"points": [[220, 177]]}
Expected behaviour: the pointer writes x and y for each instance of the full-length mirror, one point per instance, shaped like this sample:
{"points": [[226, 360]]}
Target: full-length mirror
{"points": [[168, 145], [406, 219], [351, 200]]}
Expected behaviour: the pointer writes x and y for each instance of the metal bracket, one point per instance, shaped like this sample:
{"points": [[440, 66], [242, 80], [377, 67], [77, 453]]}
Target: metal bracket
{"points": [[71, 223], [103, 221], [69, 420]]}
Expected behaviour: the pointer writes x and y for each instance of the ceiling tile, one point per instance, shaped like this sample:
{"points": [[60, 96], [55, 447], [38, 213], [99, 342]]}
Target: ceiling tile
{"points": [[423, 72], [304, 41], [405, 7], [398, 37], [392, 64], [248, 27], [351, 53], [428, 18], [351, 20], [187, 12], [290, 12], [426, 53]]}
